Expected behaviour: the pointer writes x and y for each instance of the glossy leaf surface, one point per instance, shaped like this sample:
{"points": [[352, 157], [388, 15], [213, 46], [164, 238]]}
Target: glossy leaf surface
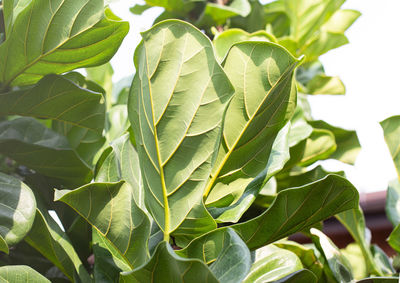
{"points": [[17, 210], [297, 208], [303, 275], [176, 105], [166, 266]]}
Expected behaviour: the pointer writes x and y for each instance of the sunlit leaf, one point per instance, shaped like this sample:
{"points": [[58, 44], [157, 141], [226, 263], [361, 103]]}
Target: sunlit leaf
{"points": [[21, 274]]}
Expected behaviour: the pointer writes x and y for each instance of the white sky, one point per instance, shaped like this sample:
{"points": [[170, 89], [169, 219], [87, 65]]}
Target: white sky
{"points": [[368, 66]]}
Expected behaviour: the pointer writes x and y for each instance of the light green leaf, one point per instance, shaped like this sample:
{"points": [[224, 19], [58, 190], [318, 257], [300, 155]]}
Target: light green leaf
{"points": [[341, 20], [139, 9], [216, 14], [297, 208], [393, 202], [303, 275], [278, 157], [307, 16], [394, 239], [353, 220], [339, 266], [382, 260], [102, 75], [32, 144], [319, 145], [324, 42], [300, 129], [117, 121], [177, 101], [322, 84], [264, 101], [18, 207], [58, 36], [306, 254], [177, 6], [111, 209], [21, 274], [47, 238], [4, 245], [347, 143], [391, 130], [166, 266], [222, 248], [275, 264], [225, 40]]}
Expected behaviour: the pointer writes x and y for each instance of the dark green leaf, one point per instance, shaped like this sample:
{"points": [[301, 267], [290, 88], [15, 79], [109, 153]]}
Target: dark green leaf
{"points": [[379, 280], [303, 275], [32, 144], [297, 208], [177, 101], [20, 274], [166, 266], [18, 208]]}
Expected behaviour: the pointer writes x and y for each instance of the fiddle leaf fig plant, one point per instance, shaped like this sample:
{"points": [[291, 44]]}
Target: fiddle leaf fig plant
{"points": [[194, 168]]}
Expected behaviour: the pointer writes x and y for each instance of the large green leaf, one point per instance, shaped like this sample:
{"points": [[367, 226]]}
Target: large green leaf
{"points": [[297, 208], [166, 266], [223, 41], [48, 238], [341, 20], [176, 105], [20, 274], [111, 209], [228, 255], [278, 157], [275, 263], [264, 100], [32, 144], [57, 36], [391, 130], [18, 208], [394, 239], [354, 222], [338, 265]]}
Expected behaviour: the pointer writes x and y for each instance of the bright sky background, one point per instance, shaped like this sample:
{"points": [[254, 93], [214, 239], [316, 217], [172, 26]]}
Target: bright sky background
{"points": [[368, 66]]}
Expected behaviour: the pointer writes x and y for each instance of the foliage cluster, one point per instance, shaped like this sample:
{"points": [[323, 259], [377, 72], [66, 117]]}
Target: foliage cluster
{"points": [[198, 167]]}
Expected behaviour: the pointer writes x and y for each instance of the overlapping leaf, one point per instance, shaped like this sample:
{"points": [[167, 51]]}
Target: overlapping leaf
{"points": [[298, 208], [32, 144], [45, 37], [166, 266], [17, 210], [176, 106], [264, 100], [47, 238], [391, 129], [111, 209], [303, 275]]}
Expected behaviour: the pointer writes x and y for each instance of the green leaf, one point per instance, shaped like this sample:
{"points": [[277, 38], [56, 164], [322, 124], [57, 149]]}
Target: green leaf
{"points": [[18, 207], [341, 20], [198, 222], [308, 16], [32, 144], [254, 21], [393, 202], [58, 36], [111, 209], [382, 260], [139, 9], [300, 129], [278, 157], [348, 145], [166, 266], [275, 263], [306, 254], [177, 100], [48, 238], [297, 208], [222, 248], [102, 75], [391, 130], [339, 267], [322, 84], [354, 222], [225, 40], [264, 101], [20, 274], [118, 123], [394, 239], [303, 275], [216, 14], [177, 6], [323, 43]]}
